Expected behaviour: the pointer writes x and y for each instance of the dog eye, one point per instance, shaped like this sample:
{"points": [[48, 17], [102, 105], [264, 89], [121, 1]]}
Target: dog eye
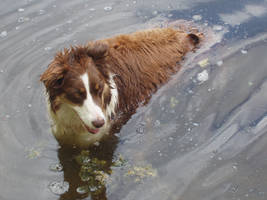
{"points": [[59, 83], [81, 92]]}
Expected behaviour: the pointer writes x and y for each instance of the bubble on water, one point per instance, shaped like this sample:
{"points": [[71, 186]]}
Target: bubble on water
{"points": [[29, 105], [29, 87], [54, 6], [171, 138], [56, 167], [82, 190], [7, 116], [140, 130], [17, 27], [220, 63], [234, 167], [1, 71], [219, 158], [21, 19], [41, 12], [59, 188], [47, 48], [250, 83], [107, 8], [134, 2], [91, 9], [195, 124], [243, 51], [3, 34], [203, 76], [197, 17], [21, 9], [69, 21], [155, 12], [217, 28], [157, 123], [93, 189]]}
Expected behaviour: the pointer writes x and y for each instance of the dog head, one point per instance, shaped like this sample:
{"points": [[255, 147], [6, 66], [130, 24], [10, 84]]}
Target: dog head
{"points": [[74, 80]]}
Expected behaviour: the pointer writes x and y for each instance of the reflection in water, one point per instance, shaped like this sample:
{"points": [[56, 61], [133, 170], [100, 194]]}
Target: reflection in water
{"points": [[87, 171]]}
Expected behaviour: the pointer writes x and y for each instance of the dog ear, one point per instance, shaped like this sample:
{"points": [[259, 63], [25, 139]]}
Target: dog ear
{"points": [[194, 38], [97, 49], [54, 76]]}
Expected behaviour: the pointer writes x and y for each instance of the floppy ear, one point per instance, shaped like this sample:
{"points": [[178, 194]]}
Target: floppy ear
{"points": [[97, 49], [54, 76]]}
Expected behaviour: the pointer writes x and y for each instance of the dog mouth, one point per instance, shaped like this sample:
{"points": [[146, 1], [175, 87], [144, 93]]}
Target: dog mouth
{"points": [[91, 130]]}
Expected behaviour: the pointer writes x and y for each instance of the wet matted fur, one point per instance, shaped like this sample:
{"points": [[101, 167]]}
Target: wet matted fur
{"points": [[87, 86]]}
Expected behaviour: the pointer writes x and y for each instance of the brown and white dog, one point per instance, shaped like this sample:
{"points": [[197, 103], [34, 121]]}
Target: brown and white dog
{"points": [[89, 85]]}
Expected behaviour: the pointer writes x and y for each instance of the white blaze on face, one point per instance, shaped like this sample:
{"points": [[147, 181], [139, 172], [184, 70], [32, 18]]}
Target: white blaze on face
{"points": [[89, 111]]}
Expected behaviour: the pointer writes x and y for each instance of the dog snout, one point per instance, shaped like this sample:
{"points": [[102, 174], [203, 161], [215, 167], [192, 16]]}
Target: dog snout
{"points": [[98, 123]]}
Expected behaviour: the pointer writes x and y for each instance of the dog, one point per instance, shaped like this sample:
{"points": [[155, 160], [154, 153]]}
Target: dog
{"points": [[88, 86]]}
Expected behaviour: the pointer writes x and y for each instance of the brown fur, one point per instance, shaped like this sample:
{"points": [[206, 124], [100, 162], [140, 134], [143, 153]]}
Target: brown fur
{"points": [[144, 60], [139, 62]]}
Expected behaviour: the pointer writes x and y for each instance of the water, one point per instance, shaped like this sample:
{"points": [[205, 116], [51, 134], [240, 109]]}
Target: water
{"points": [[196, 139]]}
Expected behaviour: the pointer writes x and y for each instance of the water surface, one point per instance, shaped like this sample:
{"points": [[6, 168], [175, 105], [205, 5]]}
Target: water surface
{"points": [[196, 139]]}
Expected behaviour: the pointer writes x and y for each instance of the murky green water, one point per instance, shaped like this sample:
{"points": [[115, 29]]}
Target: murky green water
{"points": [[202, 136]]}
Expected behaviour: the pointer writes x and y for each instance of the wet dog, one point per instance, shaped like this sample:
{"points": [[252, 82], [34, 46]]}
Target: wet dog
{"points": [[87, 86]]}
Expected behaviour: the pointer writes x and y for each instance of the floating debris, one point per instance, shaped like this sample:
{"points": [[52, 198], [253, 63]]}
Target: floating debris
{"points": [[141, 173], [243, 51], [56, 167], [7, 116], [29, 105], [220, 63], [3, 34], [17, 27], [134, 2], [197, 17], [119, 162], [59, 188], [173, 102], [204, 62], [102, 177], [107, 8], [33, 153], [29, 87], [203, 76]]}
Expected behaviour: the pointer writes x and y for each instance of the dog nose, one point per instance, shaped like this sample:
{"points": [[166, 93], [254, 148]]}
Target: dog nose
{"points": [[98, 122]]}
